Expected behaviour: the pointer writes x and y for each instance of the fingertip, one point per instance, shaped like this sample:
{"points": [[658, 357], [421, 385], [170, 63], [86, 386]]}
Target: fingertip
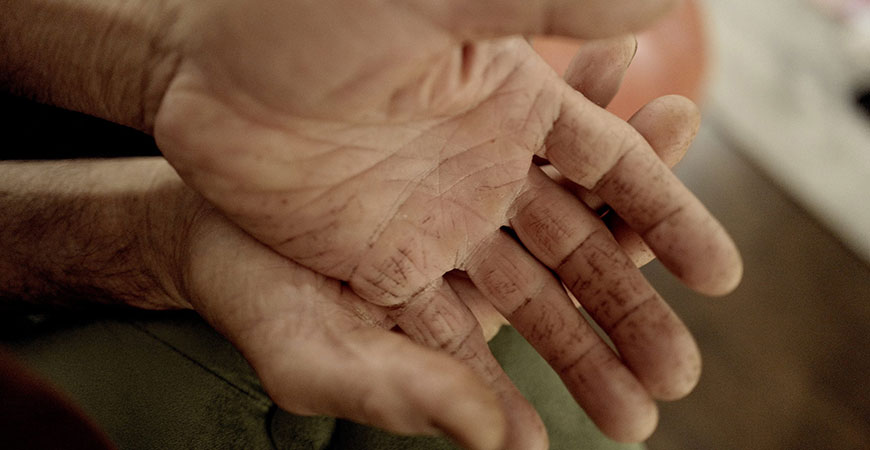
{"points": [[525, 428], [598, 68], [659, 349], [457, 401], [478, 424], [729, 278], [465, 409], [707, 261], [669, 124], [637, 427], [721, 272], [678, 375]]}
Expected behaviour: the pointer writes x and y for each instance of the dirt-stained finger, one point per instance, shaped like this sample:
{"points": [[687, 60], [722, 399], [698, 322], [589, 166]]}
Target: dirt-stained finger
{"points": [[536, 304], [570, 239], [610, 158]]}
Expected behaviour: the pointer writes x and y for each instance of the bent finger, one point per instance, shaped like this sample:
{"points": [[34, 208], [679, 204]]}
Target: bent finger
{"points": [[318, 348], [380, 378], [598, 68], [607, 156], [669, 124]]}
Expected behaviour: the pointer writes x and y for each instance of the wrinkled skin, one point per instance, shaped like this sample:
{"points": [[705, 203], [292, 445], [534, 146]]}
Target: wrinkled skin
{"points": [[386, 152]]}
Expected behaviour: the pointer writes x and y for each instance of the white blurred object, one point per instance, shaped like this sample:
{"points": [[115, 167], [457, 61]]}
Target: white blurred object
{"points": [[856, 39], [841, 9], [783, 90], [854, 16]]}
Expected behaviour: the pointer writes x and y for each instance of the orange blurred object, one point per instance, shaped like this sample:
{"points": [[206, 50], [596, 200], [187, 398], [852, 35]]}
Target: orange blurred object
{"points": [[671, 59]]}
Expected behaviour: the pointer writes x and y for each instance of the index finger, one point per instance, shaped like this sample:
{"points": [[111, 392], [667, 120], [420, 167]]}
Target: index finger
{"points": [[604, 154]]}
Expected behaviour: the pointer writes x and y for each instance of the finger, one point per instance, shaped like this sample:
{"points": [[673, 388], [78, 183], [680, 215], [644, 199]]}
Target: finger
{"points": [[599, 66], [537, 305], [489, 318], [314, 345], [605, 155], [437, 318], [383, 379], [632, 243], [597, 71], [669, 124], [569, 238], [573, 18]]}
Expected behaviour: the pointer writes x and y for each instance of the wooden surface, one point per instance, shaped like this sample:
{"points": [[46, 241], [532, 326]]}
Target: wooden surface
{"points": [[787, 356]]}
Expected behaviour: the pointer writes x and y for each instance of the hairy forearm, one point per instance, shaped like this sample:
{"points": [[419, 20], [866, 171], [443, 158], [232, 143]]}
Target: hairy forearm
{"points": [[107, 58], [91, 231]]}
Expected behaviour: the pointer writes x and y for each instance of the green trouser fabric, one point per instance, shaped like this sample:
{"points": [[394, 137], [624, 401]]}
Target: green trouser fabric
{"points": [[168, 381]]}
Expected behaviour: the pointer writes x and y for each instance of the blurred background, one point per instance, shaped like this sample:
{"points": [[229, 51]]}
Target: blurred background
{"points": [[783, 160]]}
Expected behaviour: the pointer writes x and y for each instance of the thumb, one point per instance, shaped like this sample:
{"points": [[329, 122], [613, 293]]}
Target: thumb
{"points": [[572, 18], [380, 378], [316, 347]]}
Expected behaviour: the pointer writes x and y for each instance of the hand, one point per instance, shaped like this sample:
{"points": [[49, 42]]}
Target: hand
{"points": [[320, 349], [264, 92], [389, 166], [316, 348], [596, 72], [316, 345]]}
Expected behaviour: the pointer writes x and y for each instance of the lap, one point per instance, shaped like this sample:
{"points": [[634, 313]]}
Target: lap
{"points": [[167, 380]]}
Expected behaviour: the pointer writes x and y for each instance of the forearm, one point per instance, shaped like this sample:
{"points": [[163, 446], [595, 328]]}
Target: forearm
{"points": [[107, 58], [91, 231]]}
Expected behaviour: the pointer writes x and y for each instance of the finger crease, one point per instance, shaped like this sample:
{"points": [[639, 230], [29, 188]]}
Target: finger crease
{"points": [[676, 211], [577, 361], [632, 311], [578, 248]]}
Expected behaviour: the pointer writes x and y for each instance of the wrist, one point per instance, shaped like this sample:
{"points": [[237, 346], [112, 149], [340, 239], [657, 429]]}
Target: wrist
{"points": [[173, 214], [91, 232], [111, 59]]}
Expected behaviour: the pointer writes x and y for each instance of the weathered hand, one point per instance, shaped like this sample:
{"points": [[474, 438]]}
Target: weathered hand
{"points": [[668, 124], [320, 349], [386, 147], [289, 127]]}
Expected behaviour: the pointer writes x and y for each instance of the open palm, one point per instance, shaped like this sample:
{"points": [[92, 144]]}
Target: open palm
{"points": [[386, 145]]}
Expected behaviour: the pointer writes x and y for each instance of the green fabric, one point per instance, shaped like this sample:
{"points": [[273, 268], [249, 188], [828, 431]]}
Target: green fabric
{"points": [[155, 384], [168, 381]]}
